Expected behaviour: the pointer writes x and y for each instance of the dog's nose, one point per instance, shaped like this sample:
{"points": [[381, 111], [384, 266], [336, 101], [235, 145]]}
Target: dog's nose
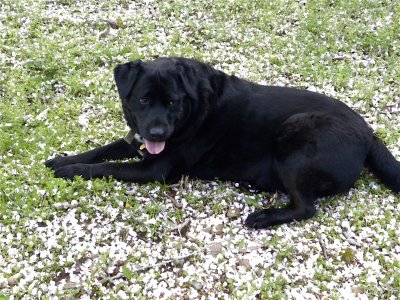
{"points": [[157, 133]]}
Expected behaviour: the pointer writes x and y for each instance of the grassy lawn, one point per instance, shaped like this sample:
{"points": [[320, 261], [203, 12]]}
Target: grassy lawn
{"points": [[113, 240]]}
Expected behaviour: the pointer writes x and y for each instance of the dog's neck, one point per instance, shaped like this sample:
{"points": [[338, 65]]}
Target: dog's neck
{"points": [[135, 139]]}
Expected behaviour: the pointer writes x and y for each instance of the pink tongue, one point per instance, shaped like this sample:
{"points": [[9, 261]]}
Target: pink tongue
{"points": [[154, 147]]}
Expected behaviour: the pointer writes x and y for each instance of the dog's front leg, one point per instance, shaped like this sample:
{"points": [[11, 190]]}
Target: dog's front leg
{"points": [[168, 166], [119, 149], [163, 169]]}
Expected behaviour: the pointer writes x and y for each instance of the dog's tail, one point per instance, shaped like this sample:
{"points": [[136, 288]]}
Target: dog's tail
{"points": [[384, 165]]}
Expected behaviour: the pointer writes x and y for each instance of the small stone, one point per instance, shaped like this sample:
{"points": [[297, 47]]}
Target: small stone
{"points": [[215, 249], [207, 229], [259, 272], [219, 229], [197, 285], [233, 212], [244, 263], [357, 290], [13, 280], [71, 286]]}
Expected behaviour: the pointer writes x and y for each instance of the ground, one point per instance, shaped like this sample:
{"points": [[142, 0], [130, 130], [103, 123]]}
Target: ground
{"points": [[104, 239]]}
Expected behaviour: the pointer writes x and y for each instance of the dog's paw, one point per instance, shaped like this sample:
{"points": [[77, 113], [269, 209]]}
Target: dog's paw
{"points": [[276, 216], [70, 171], [58, 162], [254, 220], [261, 219]]}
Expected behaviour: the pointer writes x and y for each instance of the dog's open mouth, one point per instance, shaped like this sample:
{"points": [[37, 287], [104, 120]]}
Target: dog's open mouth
{"points": [[154, 147]]}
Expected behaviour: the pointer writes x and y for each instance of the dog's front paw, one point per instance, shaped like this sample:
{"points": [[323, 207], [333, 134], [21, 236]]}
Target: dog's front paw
{"points": [[70, 171], [58, 162]]}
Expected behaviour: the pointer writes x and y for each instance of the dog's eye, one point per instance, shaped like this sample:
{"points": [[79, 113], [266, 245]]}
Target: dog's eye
{"points": [[144, 101], [172, 102]]}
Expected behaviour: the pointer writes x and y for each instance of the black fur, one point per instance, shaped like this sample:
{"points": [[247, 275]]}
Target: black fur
{"points": [[217, 126]]}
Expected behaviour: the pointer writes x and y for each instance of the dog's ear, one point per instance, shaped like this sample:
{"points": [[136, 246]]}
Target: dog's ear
{"points": [[205, 89], [188, 81], [194, 82], [125, 76]]}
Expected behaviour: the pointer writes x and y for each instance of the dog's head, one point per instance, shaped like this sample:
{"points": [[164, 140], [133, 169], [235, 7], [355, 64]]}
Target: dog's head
{"points": [[159, 97]]}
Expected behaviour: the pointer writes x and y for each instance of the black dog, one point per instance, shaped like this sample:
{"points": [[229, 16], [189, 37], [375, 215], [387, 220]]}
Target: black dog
{"points": [[197, 121]]}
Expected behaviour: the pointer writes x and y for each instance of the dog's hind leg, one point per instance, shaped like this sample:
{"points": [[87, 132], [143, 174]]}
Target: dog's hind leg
{"points": [[300, 208], [316, 155]]}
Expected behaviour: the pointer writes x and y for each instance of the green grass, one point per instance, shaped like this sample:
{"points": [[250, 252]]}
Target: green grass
{"points": [[56, 63]]}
